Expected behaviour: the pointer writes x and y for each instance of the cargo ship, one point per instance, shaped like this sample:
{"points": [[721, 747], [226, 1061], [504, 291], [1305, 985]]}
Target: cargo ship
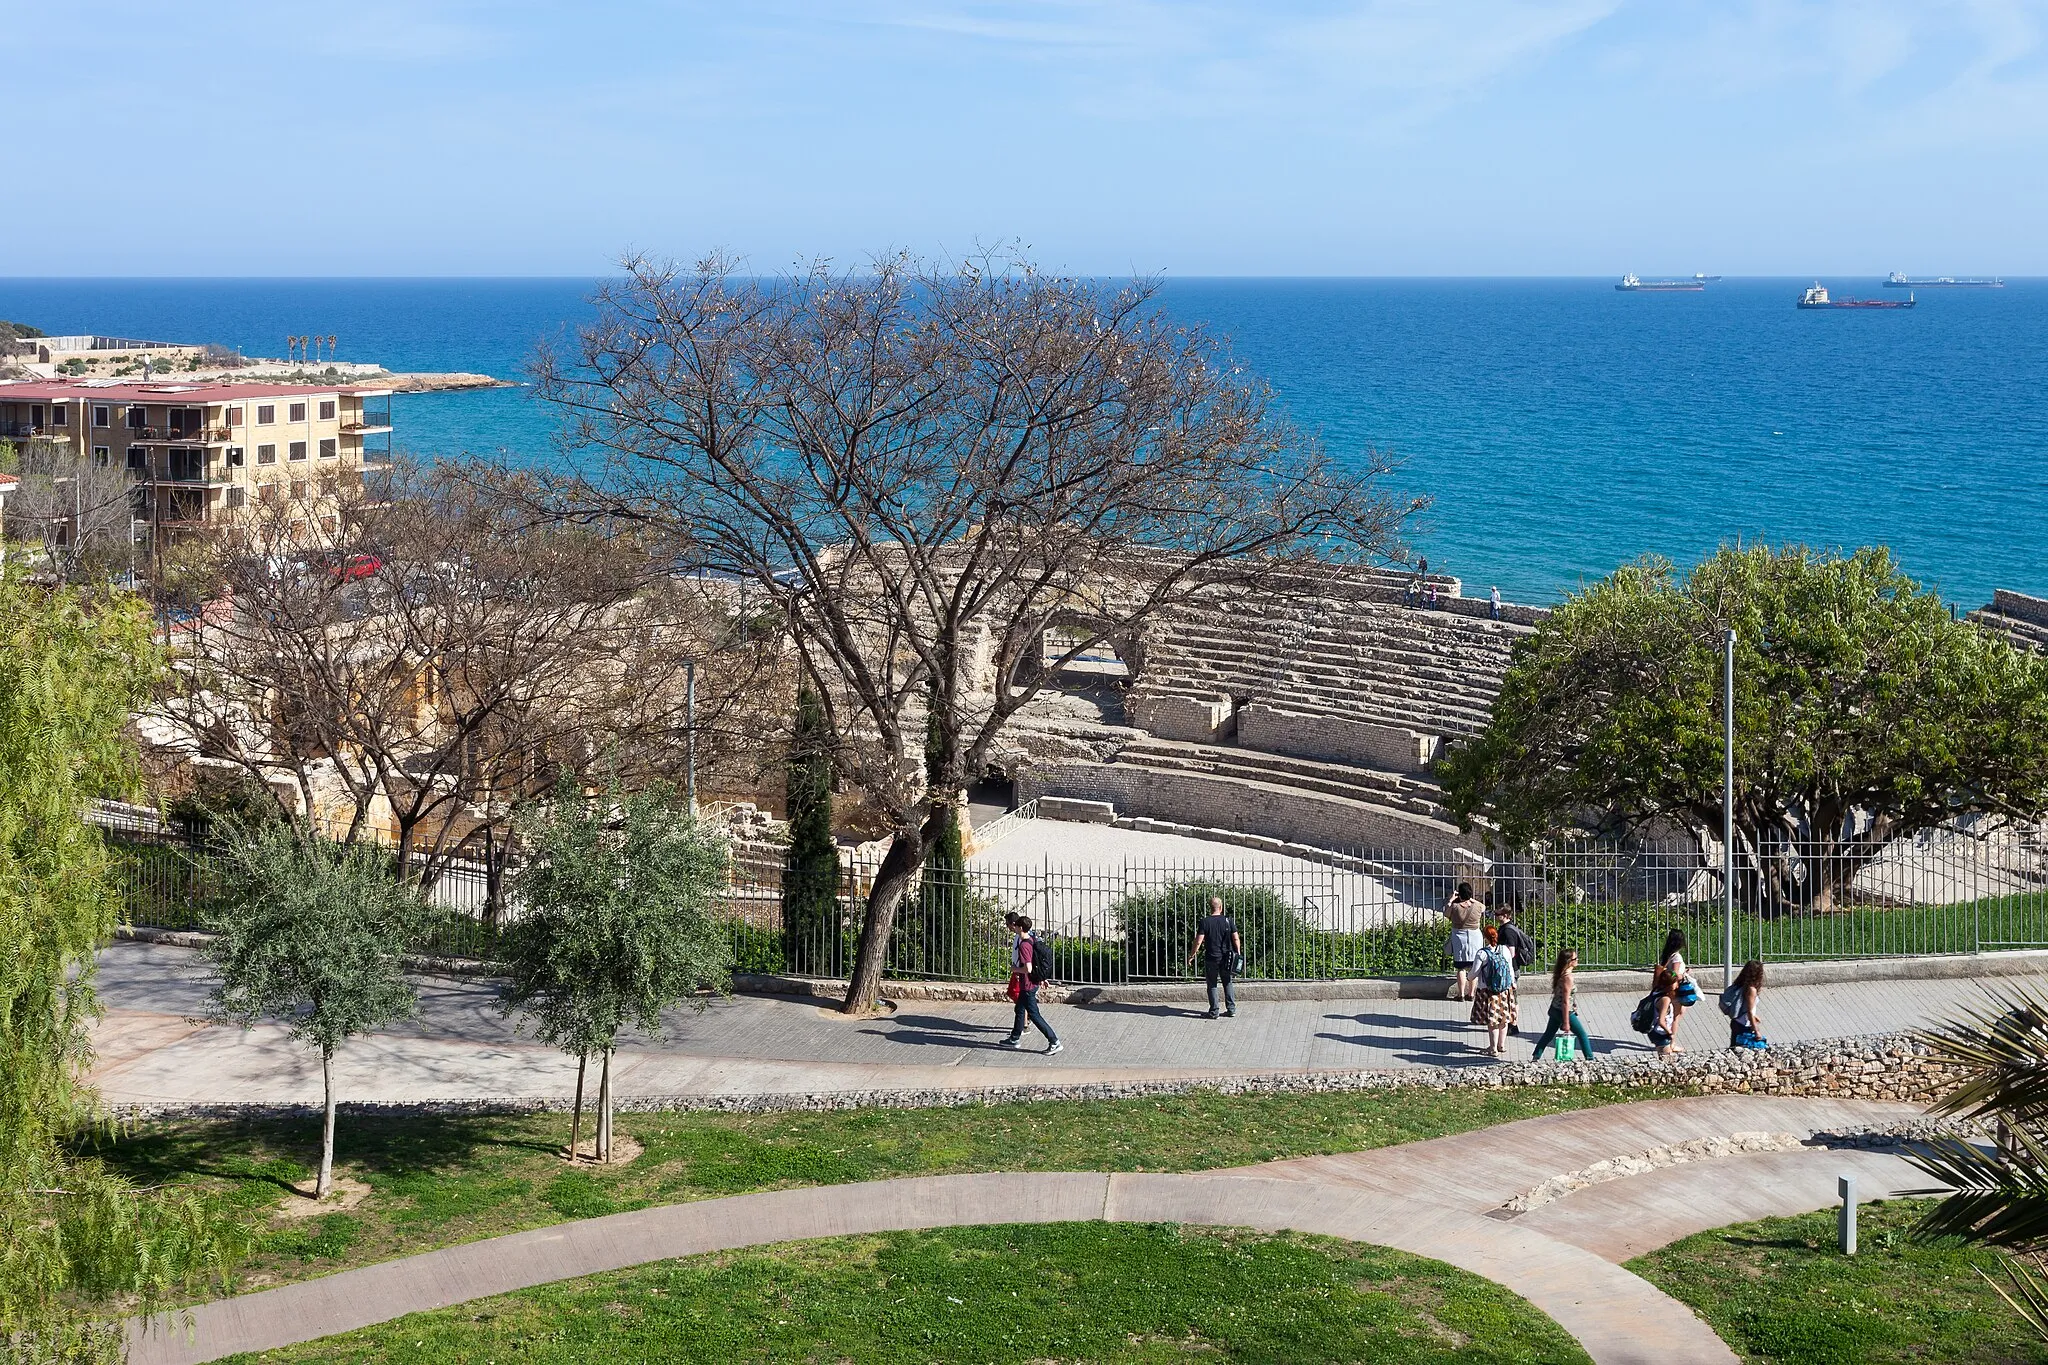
{"points": [[1631, 285], [1898, 279], [1817, 297]]}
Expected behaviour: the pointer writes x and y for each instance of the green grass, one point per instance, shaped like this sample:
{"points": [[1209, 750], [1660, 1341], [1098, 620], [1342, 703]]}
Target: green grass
{"points": [[1780, 1294], [1078, 1291], [437, 1180]]}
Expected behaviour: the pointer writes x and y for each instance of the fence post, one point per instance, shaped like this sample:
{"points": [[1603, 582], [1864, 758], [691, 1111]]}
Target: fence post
{"points": [[1728, 809]]}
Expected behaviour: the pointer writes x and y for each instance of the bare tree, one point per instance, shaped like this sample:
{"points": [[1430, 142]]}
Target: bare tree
{"points": [[78, 513], [925, 469], [420, 663]]}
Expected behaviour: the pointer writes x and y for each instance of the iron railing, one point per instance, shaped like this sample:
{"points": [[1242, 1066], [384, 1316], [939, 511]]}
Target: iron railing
{"points": [[1369, 913]]}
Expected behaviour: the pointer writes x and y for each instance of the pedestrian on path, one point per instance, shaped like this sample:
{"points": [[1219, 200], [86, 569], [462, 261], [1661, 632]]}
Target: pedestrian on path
{"points": [[1493, 596], [1519, 945], [1466, 915], [1673, 986], [1220, 947], [1738, 1002], [1493, 1006], [1564, 1005], [1028, 970]]}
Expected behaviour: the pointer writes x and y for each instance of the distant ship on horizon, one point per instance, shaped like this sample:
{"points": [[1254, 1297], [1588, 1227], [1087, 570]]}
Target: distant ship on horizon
{"points": [[1631, 285], [1817, 297], [1898, 279]]}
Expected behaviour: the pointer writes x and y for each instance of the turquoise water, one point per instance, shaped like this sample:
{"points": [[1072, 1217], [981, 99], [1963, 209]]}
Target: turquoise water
{"points": [[1561, 427]]}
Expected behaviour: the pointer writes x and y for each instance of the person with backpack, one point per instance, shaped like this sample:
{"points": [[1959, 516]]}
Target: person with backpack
{"points": [[1675, 992], [1493, 1003], [1520, 946], [1221, 949], [1738, 1002], [1030, 966], [1564, 1005]]}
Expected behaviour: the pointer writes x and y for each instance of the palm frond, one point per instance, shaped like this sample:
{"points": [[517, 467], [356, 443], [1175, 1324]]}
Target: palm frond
{"points": [[2002, 1046], [2029, 1297]]}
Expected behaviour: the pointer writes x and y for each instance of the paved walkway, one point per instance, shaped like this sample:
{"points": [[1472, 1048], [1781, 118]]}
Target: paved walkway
{"points": [[1561, 1256], [460, 1048]]}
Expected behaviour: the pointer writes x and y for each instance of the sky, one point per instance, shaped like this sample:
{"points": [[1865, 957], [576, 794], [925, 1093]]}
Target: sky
{"points": [[1286, 137]]}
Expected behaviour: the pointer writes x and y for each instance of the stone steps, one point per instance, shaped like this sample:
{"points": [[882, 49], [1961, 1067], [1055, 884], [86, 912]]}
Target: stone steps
{"points": [[2022, 632], [1367, 786]]}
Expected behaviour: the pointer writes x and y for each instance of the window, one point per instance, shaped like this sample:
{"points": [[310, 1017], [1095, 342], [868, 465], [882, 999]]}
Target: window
{"points": [[330, 525], [298, 450], [266, 414], [138, 457], [327, 409], [60, 416], [270, 492], [235, 456], [234, 416], [298, 412], [35, 415], [138, 417], [102, 416], [266, 454], [102, 456], [234, 498], [327, 448]]}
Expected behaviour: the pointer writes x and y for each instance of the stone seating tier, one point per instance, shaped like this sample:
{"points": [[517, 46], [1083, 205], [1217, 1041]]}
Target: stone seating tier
{"points": [[1396, 791], [2025, 633]]}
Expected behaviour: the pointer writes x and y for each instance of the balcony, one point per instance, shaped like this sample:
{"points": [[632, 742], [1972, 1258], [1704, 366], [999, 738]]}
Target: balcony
{"points": [[181, 436]]}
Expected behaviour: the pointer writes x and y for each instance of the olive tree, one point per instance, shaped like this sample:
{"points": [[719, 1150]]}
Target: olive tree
{"points": [[311, 932], [926, 469], [1864, 712], [620, 898]]}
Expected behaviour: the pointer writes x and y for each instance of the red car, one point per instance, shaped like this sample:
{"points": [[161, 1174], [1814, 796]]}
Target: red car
{"points": [[351, 568]]}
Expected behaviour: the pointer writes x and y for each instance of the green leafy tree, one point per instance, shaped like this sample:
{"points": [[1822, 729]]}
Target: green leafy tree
{"points": [[311, 932], [1864, 712], [620, 924], [811, 938], [74, 1238]]}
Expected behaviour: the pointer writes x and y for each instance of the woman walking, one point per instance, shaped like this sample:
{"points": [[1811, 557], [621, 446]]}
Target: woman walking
{"points": [[1493, 1004], [1745, 1025], [1564, 1007], [1466, 915], [1675, 991]]}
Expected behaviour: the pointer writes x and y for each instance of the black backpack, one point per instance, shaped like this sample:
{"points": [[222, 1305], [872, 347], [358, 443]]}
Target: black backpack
{"points": [[1644, 1017], [1041, 959]]}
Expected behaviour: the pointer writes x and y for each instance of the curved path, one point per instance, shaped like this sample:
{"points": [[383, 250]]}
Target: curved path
{"points": [[1449, 1208]]}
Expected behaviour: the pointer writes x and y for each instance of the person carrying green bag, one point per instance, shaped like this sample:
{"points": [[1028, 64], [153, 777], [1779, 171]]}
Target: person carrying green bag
{"points": [[1564, 1007]]}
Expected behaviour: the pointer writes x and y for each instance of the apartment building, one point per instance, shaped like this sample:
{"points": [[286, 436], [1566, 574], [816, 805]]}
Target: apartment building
{"points": [[203, 451]]}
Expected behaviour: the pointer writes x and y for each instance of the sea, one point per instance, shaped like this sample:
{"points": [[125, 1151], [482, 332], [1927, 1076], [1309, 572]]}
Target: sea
{"points": [[1559, 428]]}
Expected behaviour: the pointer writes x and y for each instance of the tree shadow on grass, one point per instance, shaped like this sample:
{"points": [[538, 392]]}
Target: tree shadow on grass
{"points": [[282, 1149]]}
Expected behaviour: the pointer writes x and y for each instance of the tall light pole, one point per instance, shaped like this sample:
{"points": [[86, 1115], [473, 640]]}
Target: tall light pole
{"points": [[1728, 809]]}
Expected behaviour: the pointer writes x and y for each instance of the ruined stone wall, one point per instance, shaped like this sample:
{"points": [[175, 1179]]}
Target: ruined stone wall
{"points": [[1336, 739]]}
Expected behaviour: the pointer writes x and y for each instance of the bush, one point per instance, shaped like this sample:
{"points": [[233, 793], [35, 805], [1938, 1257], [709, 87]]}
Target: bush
{"points": [[1159, 929]]}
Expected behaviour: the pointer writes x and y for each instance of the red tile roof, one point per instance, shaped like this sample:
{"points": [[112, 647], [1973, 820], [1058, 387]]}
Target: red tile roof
{"points": [[165, 391]]}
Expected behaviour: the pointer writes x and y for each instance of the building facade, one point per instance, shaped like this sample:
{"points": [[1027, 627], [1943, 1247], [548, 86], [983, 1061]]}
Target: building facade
{"points": [[204, 451]]}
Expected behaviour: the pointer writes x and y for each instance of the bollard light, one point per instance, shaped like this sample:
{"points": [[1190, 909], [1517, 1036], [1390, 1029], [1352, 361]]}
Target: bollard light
{"points": [[1846, 1224]]}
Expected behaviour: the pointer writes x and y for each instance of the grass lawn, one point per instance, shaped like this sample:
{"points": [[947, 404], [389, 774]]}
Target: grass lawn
{"points": [[1076, 1291], [1779, 1292], [436, 1180]]}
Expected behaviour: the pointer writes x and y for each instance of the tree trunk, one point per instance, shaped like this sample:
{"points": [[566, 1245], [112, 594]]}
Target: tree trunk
{"points": [[576, 1109], [892, 880], [325, 1181], [604, 1109]]}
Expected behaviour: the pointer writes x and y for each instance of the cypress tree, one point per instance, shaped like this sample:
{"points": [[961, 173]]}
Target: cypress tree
{"points": [[811, 939]]}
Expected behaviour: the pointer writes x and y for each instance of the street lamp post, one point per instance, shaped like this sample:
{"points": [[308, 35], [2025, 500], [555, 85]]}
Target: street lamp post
{"points": [[1728, 809]]}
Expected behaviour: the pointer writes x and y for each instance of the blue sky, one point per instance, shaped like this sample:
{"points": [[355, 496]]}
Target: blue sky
{"points": [[1370, 137]]}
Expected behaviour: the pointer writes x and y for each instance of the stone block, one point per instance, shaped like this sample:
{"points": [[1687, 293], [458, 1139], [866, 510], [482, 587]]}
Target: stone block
{"points": [[1077, 810]]}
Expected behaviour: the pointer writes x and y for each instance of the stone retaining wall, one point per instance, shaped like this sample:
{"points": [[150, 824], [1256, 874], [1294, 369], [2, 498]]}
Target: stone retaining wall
{"points": [[1172, 715], [1333, 739], [1877, 1067], [1224, 803]]}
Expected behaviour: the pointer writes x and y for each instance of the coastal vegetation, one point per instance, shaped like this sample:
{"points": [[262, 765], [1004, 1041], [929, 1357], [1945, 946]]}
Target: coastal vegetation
{"points": [[1071, 1291], [1864, 713], [924, 469]]}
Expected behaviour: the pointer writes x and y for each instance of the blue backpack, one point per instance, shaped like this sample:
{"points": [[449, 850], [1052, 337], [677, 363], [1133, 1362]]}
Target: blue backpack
{"points": [[1495, 973]]}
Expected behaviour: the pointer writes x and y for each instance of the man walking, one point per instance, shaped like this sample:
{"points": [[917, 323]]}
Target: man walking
{"points": [[1517, 944], [1028, 970], [1219, 945], [1493, 596]]}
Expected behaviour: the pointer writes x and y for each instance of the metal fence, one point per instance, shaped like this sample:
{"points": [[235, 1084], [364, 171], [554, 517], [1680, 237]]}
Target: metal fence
{"points": [[1366, 913]]}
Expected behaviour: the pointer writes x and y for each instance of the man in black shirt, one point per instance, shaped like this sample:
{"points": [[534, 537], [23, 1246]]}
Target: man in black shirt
{"points": [[1219, 945], [1519, 945]]}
